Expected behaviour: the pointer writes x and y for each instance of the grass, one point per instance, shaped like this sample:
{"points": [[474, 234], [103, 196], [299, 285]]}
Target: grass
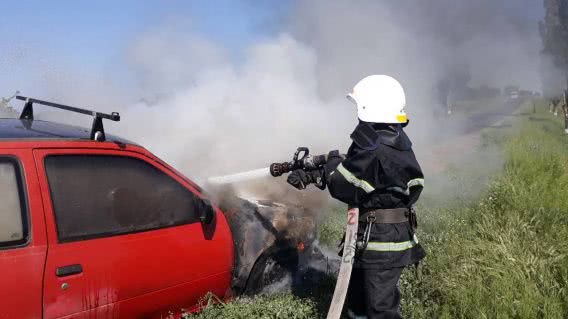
{"points": [[332, 227], [279, 306], [503, 254]]}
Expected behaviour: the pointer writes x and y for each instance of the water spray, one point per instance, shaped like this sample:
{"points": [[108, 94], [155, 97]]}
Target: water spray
{"points": [[240, 177], [300, 160]]}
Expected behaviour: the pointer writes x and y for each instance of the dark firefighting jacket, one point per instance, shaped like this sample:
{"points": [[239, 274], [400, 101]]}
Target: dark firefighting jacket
{"points": [[380, 171]]}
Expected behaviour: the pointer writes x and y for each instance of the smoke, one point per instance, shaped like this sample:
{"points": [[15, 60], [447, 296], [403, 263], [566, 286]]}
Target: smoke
{"points": [[207, 113], [553, 78], [219, 116], [167, 59], [229, 117], [421, 43]]}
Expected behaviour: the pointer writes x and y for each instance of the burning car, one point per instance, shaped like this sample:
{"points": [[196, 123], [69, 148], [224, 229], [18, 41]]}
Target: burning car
{"points": [[271, 240], [93, 225]]}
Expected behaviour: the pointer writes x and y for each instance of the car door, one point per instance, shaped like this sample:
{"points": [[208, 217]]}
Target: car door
{"points": [[22, 236], [125, 240]]}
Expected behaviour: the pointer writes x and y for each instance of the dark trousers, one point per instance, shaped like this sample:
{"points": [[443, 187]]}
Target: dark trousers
{"points": [[374, 294]]}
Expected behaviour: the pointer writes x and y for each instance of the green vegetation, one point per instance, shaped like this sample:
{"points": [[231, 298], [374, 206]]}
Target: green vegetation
{"points": [[332, 227], [554, 34], [503, 254], [283, 306]]}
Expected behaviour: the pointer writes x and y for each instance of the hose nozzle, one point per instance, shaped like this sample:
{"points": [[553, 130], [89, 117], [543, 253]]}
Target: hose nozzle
{"points": [[279, 169]]}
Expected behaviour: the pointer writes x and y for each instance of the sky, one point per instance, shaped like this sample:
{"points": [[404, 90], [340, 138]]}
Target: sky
{"points": [[93, 36]]}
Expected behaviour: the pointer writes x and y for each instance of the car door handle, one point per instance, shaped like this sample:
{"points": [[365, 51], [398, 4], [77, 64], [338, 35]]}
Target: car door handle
{"points": [[68, 270]]}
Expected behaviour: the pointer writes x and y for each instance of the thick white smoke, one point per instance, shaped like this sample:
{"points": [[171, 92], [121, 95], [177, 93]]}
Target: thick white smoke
{"points": [[232, 117], [219, 116], [210, 114]]}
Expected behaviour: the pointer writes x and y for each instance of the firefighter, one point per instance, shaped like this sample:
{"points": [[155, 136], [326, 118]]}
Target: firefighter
{"points": [[381, 176]]}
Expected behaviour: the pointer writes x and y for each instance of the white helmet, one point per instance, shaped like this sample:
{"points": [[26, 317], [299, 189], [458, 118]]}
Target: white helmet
{"points": [[379, 99]]}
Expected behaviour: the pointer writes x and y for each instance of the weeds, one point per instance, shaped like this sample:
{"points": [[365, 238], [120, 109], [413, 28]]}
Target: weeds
{"points": [[280, 306], [332, 227], [503, 256]]}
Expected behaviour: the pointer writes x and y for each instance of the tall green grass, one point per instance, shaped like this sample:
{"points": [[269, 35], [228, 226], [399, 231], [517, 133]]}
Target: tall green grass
{"points": [[505, 256]]}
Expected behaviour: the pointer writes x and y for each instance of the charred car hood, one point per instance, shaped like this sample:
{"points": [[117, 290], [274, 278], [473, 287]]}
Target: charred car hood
{"points": [[261, 226]]}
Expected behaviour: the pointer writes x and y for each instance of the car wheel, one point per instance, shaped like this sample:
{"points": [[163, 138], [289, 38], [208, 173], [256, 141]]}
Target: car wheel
{"points": [[273, 271]]}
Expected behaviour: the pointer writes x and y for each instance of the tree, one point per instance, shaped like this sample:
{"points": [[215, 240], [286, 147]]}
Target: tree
{"points": [[554, 33]]}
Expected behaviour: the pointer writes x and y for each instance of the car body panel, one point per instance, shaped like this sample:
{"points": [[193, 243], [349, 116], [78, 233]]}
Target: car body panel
{"points": [[124, 267], [21, 274], [145, 306]]}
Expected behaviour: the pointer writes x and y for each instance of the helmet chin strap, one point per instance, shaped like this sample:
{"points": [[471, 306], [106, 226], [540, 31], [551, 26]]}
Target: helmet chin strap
{"points": [[398, 125]]}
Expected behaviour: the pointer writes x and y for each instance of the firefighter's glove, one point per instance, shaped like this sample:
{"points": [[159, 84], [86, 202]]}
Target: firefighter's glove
{"points": [[334, 158], [300, 178]]}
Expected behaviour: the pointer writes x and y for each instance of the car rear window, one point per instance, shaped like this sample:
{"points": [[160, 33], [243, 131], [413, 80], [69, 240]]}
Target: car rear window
{"points": [[99, 195], [12, 207]]}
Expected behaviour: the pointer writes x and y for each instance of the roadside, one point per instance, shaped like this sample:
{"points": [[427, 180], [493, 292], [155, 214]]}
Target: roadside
{"points": [[499, 253], [503, 255]]}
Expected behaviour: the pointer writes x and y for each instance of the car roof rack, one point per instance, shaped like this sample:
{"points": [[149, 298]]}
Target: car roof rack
{"points": [[97, 129]]}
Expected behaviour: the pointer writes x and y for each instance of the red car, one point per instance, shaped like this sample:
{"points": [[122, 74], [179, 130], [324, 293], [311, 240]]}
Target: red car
{"points": [[95, 226]]}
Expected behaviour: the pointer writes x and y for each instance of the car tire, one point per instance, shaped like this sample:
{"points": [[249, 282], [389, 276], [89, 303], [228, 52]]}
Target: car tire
{"points": [[272, 270]]}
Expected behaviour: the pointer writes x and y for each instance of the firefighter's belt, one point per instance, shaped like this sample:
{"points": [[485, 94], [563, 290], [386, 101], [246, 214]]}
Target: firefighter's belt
{"points": [[386, 216]]}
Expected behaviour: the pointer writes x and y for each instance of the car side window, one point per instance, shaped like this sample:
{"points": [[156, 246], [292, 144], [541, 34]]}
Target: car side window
{"points": [[13, 225], [101, 195]]}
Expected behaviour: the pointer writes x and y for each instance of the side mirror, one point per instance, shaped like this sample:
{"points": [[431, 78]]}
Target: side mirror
{"points": [[207, 212]]}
